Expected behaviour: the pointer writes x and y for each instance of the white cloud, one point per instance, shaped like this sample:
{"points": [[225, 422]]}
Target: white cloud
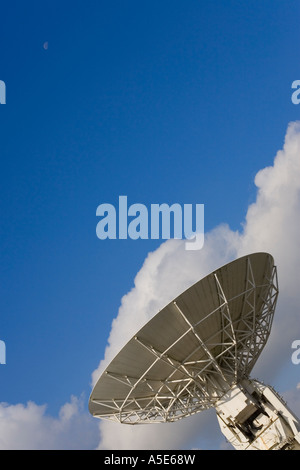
{"points": [[29, 427]]}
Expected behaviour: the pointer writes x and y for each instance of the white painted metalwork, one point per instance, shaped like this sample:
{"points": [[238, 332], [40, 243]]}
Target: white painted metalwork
{"points": [[252, 416], [195, 351]]}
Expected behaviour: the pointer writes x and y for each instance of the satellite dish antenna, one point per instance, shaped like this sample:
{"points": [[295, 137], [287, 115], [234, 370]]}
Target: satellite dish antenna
{"points": [[197, 353]]}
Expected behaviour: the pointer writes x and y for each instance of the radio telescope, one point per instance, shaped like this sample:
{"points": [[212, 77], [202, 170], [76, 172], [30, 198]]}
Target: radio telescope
{"points": [[197, 353]]}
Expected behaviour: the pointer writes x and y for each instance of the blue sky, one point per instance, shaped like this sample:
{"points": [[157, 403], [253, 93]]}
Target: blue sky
{"points": [[164, 102]]}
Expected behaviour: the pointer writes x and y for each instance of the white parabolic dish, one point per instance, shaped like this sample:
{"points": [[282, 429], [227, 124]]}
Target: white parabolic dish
{"points": [[192, 351]]}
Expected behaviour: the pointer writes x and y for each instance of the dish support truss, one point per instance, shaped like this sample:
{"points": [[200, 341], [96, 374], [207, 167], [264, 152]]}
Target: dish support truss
{"points": [[195, 385], [252, 416]]}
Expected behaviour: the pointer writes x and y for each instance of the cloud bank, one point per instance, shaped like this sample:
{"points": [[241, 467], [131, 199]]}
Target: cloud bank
{"points": [[272, 224], [28, 427]]}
